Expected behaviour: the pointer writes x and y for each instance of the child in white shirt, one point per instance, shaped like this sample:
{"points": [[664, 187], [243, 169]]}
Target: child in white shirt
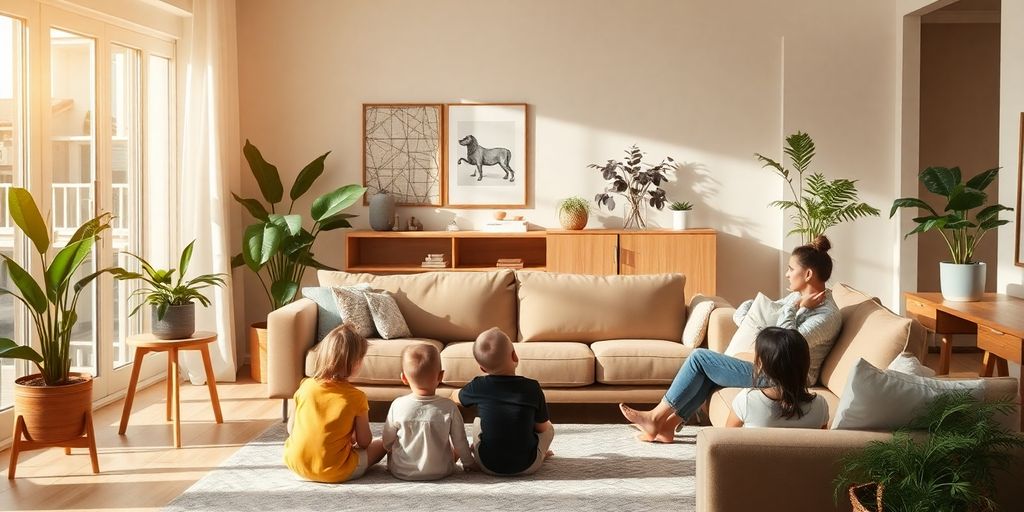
{"points": [[421, 427], [781, 398]]}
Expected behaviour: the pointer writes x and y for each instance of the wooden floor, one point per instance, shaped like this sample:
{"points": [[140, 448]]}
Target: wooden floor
{"points": [[142, 471]]}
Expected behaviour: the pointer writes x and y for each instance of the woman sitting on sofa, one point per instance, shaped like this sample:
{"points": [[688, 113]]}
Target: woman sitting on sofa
{"points": [[809, 309]]}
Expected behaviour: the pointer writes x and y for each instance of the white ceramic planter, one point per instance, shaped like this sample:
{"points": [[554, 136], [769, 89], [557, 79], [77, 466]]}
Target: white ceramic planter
{"points": [[962, 282], [680, 219]]}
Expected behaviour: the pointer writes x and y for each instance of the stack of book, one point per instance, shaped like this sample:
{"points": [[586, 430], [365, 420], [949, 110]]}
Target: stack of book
{"points": [[510, 263], [434, 261]]}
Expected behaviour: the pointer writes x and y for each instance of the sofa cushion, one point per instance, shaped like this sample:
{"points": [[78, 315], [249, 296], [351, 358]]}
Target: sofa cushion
{"points": [[845, 295], [446, 306], [721, 404], [383, 361], [554, 365], [638, 362], [327, 315], [870, 332], [572, 307]]}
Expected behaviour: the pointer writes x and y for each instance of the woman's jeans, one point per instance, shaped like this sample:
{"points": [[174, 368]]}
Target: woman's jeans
{"points": [[704, 372]]}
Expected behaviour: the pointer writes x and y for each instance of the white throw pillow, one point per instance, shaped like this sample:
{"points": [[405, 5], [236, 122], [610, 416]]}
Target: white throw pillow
{"points": [[387, 318], [697, 321], [354, 309], [874, 399], [762, 313], [907, 363]]}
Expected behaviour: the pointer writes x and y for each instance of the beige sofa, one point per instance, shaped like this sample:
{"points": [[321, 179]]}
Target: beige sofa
{"points": [[793, 469], [587, 339]]}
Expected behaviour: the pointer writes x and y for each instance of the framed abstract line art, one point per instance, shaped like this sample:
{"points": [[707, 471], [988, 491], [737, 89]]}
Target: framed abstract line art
{"points": [[486, 155], [402, 148]]}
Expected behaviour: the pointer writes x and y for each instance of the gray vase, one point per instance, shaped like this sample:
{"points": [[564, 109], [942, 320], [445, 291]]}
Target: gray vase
{"points": [[179, 322], [382, 211], [962, 282]]}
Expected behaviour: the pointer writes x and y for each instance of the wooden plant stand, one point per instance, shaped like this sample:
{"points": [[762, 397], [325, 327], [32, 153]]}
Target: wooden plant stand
{"points": [[18, 445]]}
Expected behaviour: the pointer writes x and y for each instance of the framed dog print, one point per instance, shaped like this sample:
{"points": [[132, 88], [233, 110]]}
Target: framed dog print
{"points": [[402, 148], [486, 155]]}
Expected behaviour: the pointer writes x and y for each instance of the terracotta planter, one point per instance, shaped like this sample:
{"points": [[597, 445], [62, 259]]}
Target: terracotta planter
{"points": [[53, 413], [573, 220], [870, 493], [258, 351]]}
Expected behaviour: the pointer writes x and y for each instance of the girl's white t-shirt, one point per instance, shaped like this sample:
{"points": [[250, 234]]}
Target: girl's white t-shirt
{"points": [[757, 410]]}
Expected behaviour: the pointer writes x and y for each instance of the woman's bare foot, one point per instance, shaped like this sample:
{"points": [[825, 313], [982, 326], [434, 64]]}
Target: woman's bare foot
{"points": [[643, 420]]}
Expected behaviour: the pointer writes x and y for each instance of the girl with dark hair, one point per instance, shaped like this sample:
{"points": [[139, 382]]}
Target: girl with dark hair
{"points": [[809, 309], [781, 363]]}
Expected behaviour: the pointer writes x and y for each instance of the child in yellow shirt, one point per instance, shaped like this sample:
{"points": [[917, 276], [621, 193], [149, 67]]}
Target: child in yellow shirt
{"points": [[329, 436]]}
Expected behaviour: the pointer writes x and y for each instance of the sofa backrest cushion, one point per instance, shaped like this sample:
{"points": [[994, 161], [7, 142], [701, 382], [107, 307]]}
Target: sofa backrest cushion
{"points": [[870, 332], [846, 295], [445, 306], [573, 307]]}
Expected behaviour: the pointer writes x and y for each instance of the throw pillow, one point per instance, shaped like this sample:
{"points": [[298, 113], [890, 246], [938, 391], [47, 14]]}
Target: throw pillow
{"points": [[875, 399], [354, 309], [328, 317], [907, 363], [697, 322], [762, 313], [387, 318]]}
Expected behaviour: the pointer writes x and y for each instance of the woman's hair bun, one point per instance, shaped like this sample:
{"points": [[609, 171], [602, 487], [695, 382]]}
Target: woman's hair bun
{"points": [[821, 244]]}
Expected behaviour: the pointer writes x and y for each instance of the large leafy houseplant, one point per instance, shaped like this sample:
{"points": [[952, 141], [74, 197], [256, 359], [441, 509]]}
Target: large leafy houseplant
{"points": [[51, 301], [961, 233], [278, 248], [637, 182], [950, 469], [818, 203]]}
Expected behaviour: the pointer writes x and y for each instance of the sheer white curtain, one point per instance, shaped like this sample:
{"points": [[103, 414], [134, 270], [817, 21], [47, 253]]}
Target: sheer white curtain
{"points": [[209, 169]]}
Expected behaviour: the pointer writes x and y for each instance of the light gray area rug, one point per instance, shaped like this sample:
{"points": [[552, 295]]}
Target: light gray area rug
{"points": [[596, 467]]}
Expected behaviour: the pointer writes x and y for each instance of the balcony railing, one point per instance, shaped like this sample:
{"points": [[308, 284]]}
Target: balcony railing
{"points": [[71, 205]]}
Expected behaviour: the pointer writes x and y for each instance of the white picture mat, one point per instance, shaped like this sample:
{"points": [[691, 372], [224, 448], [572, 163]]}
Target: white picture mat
{"points": [[494, 126]]}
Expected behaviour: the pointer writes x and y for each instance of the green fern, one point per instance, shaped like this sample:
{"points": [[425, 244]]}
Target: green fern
{"points": [[950, 468], [818, 204]]}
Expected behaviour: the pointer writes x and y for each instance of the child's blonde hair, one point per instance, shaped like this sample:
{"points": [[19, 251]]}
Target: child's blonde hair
{"points": [[421, 363], [339, 354]]}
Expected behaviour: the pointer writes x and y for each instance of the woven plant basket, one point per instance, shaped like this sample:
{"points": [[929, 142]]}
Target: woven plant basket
{"points": [[864, 490], [573, 220]]}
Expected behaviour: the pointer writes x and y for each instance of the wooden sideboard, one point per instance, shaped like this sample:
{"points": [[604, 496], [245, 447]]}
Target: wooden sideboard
{"points": [[596, 252]]}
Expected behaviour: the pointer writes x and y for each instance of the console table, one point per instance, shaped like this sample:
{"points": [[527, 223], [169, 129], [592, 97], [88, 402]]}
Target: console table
{"points": [[997, 319]]}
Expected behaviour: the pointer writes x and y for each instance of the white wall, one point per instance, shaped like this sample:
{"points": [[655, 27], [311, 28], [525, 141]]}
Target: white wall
{"points": [[1011, 104], [706, 82]]}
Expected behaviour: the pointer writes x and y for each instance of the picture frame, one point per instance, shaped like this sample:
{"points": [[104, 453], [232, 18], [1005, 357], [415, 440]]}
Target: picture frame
{"points": [[486, 155], [1018, 252], [403, 152]]}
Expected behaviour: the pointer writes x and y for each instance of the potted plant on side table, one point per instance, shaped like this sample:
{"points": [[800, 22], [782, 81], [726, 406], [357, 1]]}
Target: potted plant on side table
{"points": [[278, 248], [52, 407], [172, 301], [573, 213], [962, 278]]}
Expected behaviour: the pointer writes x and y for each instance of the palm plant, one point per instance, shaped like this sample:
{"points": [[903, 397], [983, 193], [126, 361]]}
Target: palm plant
{"points": [[278, 245], [53, 300], [164, 290], [951, 469], [960, 233], [822, 203]]}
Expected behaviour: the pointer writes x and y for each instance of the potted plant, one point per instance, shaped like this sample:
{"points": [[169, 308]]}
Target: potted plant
{"points": [[573, 213], [637, 182], [54, 406], [278, 248], [680, 212], [952, 468], [172, 300], [818, 204], [962, 278]]}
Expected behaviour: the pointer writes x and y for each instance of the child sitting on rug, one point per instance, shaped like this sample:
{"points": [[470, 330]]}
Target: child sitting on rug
{"points": [[512, 432], [781, 362], [329, 435], [422, 427]]}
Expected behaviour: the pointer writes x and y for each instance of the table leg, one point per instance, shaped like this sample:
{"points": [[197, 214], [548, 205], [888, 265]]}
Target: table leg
{"points": [[988, 364], [1002, 368], [945, 353], [176, 395], [169, 382], [136, 368], [211, 382]]}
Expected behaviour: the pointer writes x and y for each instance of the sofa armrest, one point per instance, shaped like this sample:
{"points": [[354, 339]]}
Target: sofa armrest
{"points": [[291, 332], [734, 469], [721, 328]]}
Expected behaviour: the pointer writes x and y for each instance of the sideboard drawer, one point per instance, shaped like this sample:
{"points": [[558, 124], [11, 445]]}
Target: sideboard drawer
{"points": [[924, 313], [1006, 346]]}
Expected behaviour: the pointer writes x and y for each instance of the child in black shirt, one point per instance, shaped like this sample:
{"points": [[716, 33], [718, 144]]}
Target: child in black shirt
{"points": [[512, 432]]}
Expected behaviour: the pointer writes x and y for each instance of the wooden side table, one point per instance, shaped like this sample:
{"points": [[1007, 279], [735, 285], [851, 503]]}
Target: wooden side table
{"points": [[147, 343]]}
